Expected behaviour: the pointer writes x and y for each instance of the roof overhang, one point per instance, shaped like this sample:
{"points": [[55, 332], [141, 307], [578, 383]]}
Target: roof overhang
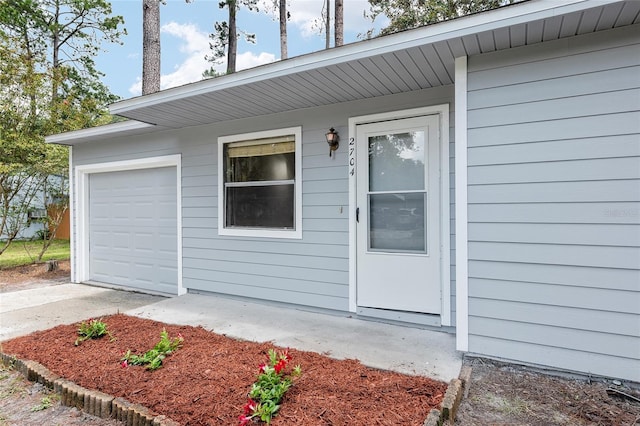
{"points": [[411, 60]]}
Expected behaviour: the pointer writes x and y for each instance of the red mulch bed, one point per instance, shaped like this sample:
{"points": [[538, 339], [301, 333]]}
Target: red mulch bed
{"points": [[206, 382]]}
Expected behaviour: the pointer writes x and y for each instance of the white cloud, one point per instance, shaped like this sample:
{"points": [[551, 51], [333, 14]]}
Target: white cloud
{"points": [[306, 15], [195, 45]]}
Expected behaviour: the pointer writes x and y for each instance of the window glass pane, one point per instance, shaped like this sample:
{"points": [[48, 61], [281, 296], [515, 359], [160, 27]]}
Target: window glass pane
{"points": [[396, 162], [269, 206], [397, 222], [260, 168]]}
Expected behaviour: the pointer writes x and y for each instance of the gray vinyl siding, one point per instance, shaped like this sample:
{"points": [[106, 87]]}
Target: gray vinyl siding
{"points": [[554, 203], [313, 271]]}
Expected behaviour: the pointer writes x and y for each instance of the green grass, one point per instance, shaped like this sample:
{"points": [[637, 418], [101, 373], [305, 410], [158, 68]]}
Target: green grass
{"points": [[24, 252]]}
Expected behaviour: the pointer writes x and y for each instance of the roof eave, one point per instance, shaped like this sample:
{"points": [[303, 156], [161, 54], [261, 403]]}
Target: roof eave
{"points": [[472, 24]]}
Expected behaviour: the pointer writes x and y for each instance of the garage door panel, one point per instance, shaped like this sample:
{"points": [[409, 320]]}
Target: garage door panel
{"points": [[133, 228]]}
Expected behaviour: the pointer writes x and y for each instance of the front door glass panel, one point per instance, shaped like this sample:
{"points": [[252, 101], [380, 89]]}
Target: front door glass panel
{"points": [[397, 196]]}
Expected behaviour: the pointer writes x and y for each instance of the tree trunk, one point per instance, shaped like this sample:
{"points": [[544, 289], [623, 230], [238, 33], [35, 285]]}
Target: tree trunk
{"points": [[283, 29], [327, 25], [339, 23], [150, 46], [232, 45]]}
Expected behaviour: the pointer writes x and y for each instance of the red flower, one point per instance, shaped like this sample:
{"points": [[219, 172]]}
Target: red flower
{"points": [[280, 366], [124, 364], [287, 356], [250, 407], [244, 420], [262, 367]]}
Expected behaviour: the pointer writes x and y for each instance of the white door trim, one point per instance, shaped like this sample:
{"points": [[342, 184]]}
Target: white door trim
{"points": [[82, 203], [443, 112]]}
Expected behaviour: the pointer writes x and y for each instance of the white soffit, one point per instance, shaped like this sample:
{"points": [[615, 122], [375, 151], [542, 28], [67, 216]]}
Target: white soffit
{"points": [[402, 62]]}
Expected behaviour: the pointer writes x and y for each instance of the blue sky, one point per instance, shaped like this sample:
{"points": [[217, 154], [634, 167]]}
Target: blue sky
{"points": [[184, 39]]}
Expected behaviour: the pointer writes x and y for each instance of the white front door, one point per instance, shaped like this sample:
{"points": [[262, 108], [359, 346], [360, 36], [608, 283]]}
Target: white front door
{"points": [[398, 215]]}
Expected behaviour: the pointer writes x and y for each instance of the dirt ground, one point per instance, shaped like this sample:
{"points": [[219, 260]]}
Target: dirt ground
{"points": [[506, 394], [500, 394]]}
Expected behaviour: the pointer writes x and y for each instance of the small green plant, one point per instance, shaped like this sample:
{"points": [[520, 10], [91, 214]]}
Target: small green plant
{"points": [[153, 358], [92, 329], [269, 388], [45, 403]]}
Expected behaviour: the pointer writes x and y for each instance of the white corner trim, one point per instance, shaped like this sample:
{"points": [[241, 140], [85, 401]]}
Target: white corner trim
{"points": [[462, 255], [81, 175], [262, 233], [72, 237], [443, 132]]}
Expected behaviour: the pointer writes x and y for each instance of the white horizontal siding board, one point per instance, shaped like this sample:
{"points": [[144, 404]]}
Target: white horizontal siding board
{"points": [[298, 261], [326, 186], [197, 191], [326, 199], [274, 283], [567, 275], [619, 57], [325, 212], [615, 322], [557, 109], [205, 171], [572, 128], [557, 171], [310, 237], [326, 173], [556, 254], [559, 337], [326, 251], [276, 295], [199, 201], [575, 149], [246, 266], [622, 235], [208, 212], [338, 224], [620, 212], [592, 299], [559, 358], [564, 192]]}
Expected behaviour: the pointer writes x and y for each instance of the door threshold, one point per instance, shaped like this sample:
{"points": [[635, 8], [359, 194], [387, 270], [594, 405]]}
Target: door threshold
{"points": [[417, 318]]}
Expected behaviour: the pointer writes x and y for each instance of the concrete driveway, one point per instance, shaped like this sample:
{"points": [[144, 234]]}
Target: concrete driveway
{"points": [[404, 349]]}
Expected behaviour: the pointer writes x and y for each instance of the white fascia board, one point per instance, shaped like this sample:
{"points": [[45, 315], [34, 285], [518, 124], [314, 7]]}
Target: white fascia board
{"points": [[498, 18], [116, 129]]}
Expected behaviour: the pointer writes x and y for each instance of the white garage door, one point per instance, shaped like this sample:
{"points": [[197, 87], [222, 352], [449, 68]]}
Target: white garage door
{"points": [[133, 229]]}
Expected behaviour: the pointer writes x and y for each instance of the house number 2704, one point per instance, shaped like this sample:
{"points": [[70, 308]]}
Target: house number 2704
{"points": [[352, 156]]}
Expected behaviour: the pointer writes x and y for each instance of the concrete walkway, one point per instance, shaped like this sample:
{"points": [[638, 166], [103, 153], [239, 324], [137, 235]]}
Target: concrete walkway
{"points": [[404, 349]]}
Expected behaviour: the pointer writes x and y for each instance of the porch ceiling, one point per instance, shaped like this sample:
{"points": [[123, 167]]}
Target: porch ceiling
{"points": [[398, 63]]}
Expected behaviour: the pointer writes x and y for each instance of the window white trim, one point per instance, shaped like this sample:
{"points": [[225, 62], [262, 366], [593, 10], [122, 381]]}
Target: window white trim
{"points": [[81, 184], [462, 255], [72, 237], [254, 232], [445, 219]]}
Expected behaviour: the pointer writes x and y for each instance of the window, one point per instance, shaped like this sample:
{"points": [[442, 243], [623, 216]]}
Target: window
{"points": [[259, 176]]}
